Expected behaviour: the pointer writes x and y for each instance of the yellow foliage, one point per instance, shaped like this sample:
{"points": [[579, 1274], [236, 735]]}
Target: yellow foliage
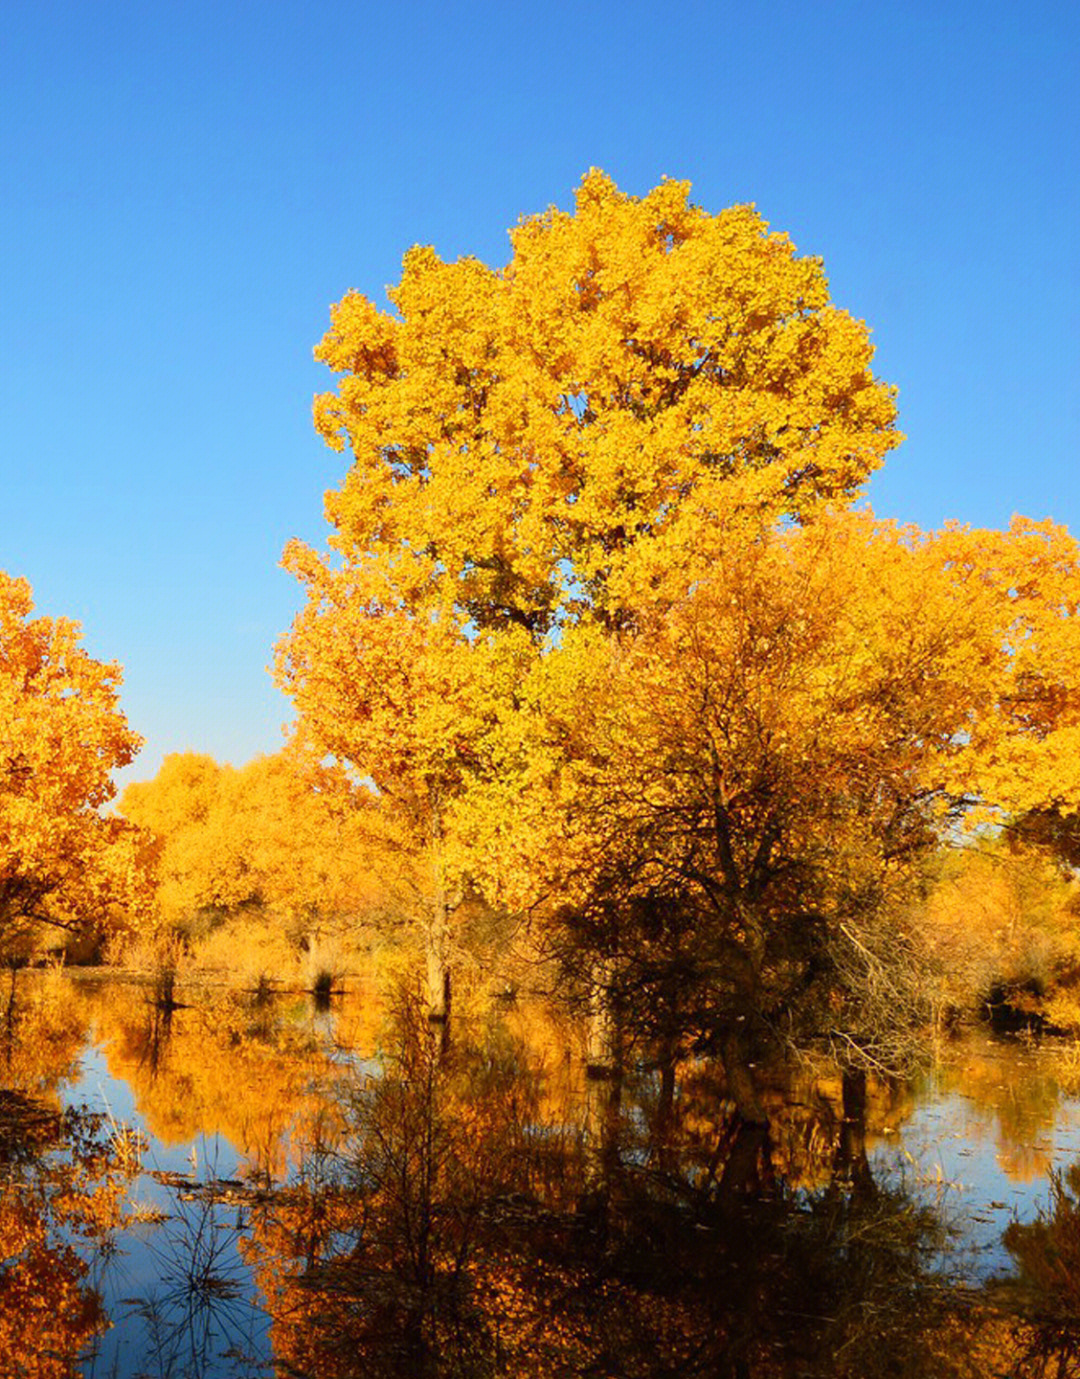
{"points": [[533, 425], [835, 694], [1003, 918], [62, 734], [534, 447], [767, 760], [280, 834], [598, 623], [517, 436]]}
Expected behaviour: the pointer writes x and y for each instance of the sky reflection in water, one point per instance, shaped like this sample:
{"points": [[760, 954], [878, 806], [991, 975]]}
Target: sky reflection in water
{"points": [[221, 1091]]}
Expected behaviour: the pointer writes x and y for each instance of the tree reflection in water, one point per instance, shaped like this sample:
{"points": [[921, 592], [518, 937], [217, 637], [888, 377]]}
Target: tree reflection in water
{"points": [[63, 1185], [1045, 1295], [451, 1233], [481, 1212]]}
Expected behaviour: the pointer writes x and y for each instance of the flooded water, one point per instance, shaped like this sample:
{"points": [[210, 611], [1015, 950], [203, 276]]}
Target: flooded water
{"points": [[256, 1187], [981, 1136]]}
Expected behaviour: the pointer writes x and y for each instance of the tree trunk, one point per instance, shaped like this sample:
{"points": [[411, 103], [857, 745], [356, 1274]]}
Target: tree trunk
{"points": [[438, 966], [734, 1052], [852, 1164], [603, 1103], [10, 1020], [747, 1170], [437, 940], [664, 1119], [603, 1083], [602, 1057], [665, 1102]]}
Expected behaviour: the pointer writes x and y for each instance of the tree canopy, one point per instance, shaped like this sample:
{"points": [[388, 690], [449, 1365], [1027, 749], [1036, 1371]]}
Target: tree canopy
{"points": [[280, 834], [550, 444], [731, 803], [62, 734], [599, 622], [639, 368]]}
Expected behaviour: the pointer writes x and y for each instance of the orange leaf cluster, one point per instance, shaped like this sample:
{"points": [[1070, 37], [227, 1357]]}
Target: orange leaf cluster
{"points": [[62, 734]]}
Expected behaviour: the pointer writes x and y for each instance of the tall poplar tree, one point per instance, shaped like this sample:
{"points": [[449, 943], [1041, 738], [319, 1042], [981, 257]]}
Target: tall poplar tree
{"points": [[547, 445]]}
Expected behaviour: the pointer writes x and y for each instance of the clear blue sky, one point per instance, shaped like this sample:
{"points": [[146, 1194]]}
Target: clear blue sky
{"points": [[187, 187]]}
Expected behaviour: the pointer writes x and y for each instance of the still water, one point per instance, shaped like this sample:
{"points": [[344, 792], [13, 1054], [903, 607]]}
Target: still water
{"points": [[236, 1187]]}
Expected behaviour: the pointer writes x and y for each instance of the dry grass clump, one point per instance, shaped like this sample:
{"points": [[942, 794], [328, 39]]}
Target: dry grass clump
{"points": [[249, 949]]}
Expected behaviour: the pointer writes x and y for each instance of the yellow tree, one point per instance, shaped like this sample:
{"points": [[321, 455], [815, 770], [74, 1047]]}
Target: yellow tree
{"points": [[282, 834], [311, 840], [62, 734], [525, 442], [196, 865], [767, 760], [1023, 751]]}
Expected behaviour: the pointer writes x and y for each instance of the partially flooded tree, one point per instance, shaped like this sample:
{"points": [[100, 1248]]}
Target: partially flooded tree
{"points": [[406, 700], [735, 828], [545, 446], [63, 862]]}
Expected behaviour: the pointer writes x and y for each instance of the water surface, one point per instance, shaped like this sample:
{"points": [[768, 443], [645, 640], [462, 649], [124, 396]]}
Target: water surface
{"points": [[184, 1194]]}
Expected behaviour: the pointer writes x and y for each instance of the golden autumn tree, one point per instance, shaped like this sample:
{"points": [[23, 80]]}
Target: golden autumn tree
{"points": [[524, 443], [313, 841], [62, 734], [196, 866], [282, 836], [1022, 755], [734, 826]]}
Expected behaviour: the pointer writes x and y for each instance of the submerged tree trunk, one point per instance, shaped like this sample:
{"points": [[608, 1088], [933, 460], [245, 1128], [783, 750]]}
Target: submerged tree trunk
{"points": [[437, 940], [852, 1163], [665, 1101], [603, 1082], [603, 1104], [734, 1051], [663, 1126], [747, 1171]]}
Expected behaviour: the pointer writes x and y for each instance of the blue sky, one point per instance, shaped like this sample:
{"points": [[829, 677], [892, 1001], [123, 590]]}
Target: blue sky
{"points": [[185, 188]]}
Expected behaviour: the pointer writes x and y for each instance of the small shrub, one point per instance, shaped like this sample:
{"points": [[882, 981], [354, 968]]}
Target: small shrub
{"points": [[323, 966]]}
